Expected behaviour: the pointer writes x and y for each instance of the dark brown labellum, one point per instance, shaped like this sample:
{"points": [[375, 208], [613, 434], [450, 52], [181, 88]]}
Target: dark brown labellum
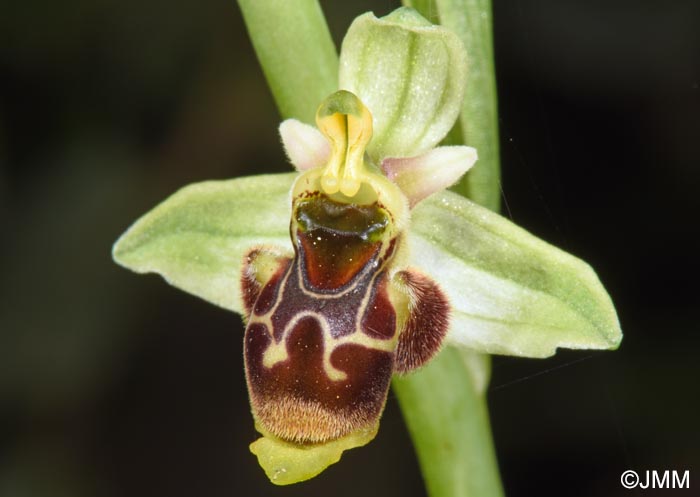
{"points": [[323, 328]]}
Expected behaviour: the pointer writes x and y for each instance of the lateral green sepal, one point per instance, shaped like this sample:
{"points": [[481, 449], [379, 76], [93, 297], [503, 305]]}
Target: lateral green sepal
{"points": [[197, 238], [511, 293]]}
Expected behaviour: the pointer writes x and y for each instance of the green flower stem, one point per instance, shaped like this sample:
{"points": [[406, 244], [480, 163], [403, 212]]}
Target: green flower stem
{"points": [[446, 415], [472, 21], [449, 424], [427, 9], [297, 54]]}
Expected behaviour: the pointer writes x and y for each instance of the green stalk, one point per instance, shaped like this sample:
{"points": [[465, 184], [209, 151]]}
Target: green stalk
{"points": [[427, 9], [296, 52], [478, 121], [472, 21], [444, 409], [446, 414], [448, 420]]}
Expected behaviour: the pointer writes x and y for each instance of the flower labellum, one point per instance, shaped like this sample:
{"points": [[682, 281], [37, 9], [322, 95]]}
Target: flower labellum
{"points": [[327, 328]]}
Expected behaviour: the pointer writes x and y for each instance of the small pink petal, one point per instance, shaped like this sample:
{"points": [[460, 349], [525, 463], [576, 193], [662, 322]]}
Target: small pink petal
{"points": [[421, 176], [305, 146]]}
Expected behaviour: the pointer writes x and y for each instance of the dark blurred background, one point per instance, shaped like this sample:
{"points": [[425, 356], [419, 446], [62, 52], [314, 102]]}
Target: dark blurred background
{"points": [[113, 384]]}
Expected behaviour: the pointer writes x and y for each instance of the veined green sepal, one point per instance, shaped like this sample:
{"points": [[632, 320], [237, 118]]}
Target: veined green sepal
{"points": [[511, 292], [410, 74], [197, 238]]}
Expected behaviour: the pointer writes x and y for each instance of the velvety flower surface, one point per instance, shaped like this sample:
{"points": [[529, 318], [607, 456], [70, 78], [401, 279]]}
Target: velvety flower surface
{"points": [[360, 266]]}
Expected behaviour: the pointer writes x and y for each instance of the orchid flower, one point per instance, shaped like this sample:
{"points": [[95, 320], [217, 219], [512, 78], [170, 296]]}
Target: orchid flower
{"points": [[384, 266]]}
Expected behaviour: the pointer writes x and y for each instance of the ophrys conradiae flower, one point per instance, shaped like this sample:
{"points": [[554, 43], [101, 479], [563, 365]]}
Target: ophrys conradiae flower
{"points": [[382, 267]]}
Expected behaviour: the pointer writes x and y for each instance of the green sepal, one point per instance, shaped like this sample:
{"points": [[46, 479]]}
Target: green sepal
{"points": [[197, 238], [410, 74], [511, 293]]}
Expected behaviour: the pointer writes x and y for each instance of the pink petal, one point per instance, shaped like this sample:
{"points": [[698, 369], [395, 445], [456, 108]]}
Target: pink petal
{"points": [[421, 176]]}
